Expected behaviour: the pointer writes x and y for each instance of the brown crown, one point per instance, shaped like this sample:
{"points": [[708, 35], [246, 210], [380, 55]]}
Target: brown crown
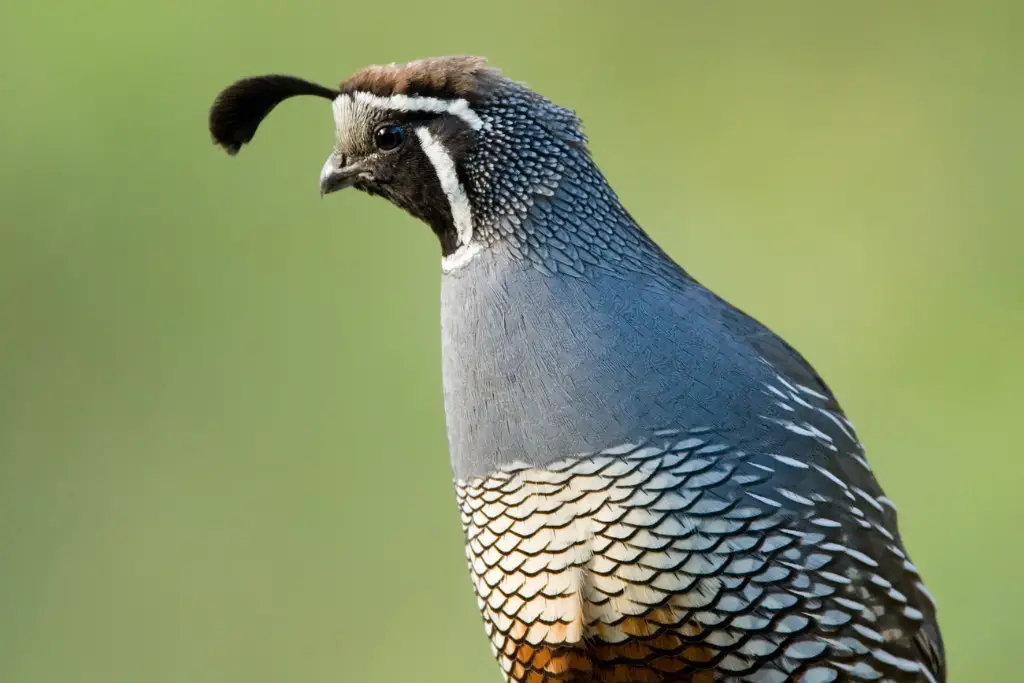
{"points": [[459, 77]]}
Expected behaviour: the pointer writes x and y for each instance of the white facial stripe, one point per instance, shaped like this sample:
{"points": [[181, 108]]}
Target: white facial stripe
{"points": [[340, 107], [459, 108], [462, 217]]}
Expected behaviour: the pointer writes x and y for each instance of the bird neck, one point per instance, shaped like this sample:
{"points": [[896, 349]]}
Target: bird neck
{"points": [[535, 191]]}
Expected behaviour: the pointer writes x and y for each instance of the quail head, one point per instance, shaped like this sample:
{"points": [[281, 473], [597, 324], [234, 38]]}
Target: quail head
{"points": [[653, 486]]}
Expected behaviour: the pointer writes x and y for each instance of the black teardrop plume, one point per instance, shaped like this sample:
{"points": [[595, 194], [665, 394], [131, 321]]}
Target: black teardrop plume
{"points": [[239, 108]]}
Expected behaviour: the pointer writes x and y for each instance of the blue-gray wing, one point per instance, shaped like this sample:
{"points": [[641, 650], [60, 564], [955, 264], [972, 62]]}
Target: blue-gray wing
{"points": [[883, 616]]}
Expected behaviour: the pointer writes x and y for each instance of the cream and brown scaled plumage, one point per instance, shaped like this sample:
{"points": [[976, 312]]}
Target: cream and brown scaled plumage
{"points": [[653, 486]]}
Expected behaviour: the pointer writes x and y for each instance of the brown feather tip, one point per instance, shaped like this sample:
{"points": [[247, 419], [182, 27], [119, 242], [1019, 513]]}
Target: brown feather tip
{"points": [[455, 77], [241, 107]]}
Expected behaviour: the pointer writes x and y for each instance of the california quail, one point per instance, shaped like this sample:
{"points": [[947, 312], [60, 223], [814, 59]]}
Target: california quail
{"points": [[654, 486]]}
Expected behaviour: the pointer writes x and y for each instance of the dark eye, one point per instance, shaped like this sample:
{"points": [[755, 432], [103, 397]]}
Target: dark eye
{"points": [[388, 137]]}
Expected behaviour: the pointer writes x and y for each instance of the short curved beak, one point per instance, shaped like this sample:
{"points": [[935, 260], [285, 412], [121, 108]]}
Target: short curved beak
{"points": [[336, 175]]}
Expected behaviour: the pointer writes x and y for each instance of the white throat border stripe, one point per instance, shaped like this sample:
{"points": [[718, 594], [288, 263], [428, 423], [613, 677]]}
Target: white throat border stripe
{"points": [[460, 257], [459, 108], [444, 166]]}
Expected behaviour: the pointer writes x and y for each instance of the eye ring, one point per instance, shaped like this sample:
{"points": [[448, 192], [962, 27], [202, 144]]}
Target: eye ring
{"points": [[388, 136]]}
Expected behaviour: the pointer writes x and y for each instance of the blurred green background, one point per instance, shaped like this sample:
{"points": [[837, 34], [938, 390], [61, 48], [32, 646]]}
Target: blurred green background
{"points": [[222, 444]]}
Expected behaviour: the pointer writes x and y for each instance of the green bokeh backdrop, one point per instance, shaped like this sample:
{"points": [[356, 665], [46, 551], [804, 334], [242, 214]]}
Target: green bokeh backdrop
{"points": [[222, 445]]}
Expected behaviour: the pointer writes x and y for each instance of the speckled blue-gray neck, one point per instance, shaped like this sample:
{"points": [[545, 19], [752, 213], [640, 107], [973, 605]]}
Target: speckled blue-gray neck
{"points": [[533, 186]]}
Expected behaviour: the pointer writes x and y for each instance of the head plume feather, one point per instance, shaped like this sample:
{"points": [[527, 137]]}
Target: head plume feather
{"points": [[241, 107]]}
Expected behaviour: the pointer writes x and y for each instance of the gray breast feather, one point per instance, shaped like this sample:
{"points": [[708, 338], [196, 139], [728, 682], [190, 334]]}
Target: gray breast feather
{"points": [[537, 368]]}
